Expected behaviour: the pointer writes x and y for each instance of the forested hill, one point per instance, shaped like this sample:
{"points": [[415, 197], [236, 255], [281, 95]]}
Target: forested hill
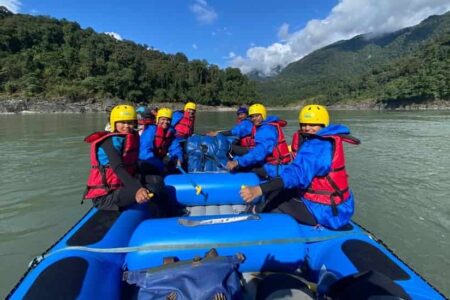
{"points": [[41, 57], [412, 64]]}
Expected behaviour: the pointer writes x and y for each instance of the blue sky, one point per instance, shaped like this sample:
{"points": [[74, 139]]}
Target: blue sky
{"points": [[249, 34]]}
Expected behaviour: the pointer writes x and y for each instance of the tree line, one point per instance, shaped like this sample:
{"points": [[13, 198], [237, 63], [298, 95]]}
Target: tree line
{"points": [[41, 57]]}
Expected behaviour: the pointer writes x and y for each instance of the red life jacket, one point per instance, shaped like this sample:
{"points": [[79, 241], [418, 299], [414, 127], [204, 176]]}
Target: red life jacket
{"points": [[297, 140], [146, 122], [102, 179], [185, 127], [162, 141], [280, 154], [246, 141], [332, 189], [143, 124]]}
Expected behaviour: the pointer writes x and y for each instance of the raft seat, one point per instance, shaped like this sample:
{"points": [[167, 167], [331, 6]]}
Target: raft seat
{"points": [[210, 210], [209, 193]]}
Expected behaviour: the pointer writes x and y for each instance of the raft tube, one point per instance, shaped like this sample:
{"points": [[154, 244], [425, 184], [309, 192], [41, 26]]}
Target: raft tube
{"points": [[88, 261], [258, 237], [66, 272], [216, 188]]}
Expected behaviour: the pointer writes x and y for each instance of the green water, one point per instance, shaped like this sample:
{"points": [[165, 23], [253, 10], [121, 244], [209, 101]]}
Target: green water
{"points": [[399, 175]]}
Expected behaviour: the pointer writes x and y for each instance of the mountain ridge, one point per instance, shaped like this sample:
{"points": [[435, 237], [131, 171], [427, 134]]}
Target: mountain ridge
{"points": [[347, 61]]}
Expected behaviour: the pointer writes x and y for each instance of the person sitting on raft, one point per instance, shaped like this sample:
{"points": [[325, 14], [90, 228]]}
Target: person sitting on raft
{"points": [[313, 188], [145, 117], [184, 121], [241, 114], [266, 145], [157, 142], [154, 111], [113, 181], [242, 129], [298, 137]]}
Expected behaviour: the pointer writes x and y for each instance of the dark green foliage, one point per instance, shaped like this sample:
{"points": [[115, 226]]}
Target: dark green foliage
{"points": [[412, 64], [45, 57]]}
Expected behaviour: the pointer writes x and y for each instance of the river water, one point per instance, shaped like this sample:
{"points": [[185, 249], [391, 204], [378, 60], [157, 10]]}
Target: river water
{"points": [[399, 175]]}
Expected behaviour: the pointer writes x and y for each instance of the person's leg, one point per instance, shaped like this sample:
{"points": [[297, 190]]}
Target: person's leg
{"points": [[272, 201], [107, 202], [160, 205], [238, 150], [261, 172], [170, 167], [148, 169], [287, 202], [298, 210], [155, 184], [115, 200], [124, 197]]}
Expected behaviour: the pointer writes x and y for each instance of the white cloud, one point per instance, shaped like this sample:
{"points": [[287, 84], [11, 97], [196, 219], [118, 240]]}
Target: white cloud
{"points": [[221, 31], [283, 32], [230, 55], [203, 12], [11, 5], [114, 35], [151, 48], [194, 46], [347, 19]]}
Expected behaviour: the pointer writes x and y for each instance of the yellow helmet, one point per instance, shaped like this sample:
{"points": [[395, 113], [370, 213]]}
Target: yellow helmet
{"points": [[164, 112], [121, 112], [257, 109], [314, 114], [190, 105]]}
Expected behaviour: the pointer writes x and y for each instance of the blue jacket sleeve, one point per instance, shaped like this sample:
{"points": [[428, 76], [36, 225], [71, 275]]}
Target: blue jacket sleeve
{"points": [[175, 150], [265, 139], [274, 170], [314, 159], [242, 129], [146, 146], [176, 117]]}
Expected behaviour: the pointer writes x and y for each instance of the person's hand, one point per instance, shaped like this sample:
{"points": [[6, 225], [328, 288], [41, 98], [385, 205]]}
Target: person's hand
{"points": [[250, 193], [211, 133], [143, 195], [231, 165]]}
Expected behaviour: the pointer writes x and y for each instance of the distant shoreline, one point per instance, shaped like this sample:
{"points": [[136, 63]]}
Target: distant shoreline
{"points": [[15, 106]]}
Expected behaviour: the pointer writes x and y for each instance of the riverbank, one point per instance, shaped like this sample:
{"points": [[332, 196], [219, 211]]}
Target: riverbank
{"points": [[18, 105], [14, 106]]}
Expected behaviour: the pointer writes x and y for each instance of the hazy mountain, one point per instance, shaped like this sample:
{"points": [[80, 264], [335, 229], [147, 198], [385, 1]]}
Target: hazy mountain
{"points": [[339, 71]]}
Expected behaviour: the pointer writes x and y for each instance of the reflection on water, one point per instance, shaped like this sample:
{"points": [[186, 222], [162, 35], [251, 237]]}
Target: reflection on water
{"points": [[399, 175]]}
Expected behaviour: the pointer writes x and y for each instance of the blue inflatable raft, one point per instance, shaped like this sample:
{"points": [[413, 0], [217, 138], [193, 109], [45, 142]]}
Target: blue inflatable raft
{"points": [[89, 261]]}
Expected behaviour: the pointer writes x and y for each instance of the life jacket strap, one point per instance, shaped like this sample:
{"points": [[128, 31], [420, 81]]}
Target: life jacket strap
{"points": [[338, 169], [101, 186]]}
